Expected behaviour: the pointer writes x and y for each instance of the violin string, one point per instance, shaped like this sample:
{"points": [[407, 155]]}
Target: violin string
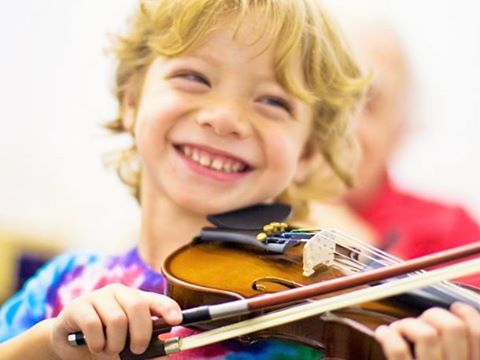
{"points": [[351, 249], [379, 254], [348, 266], [469, 294], [347, 263], [321, 234], [374, 250], [354, 250], [345, 238], [375, 255], [339, 257], [445, 286], [347, 269], [347, 260], [370, 252]]}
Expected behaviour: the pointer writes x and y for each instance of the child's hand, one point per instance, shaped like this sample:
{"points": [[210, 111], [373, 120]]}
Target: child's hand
{"points": [[106, 316], [436, 334]]}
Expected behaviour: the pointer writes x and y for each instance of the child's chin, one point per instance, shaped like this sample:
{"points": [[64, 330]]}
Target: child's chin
{"points": [[206, 207]]}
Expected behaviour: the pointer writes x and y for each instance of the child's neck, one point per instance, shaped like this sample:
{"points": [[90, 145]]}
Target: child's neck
{"points": [[165, 228]]}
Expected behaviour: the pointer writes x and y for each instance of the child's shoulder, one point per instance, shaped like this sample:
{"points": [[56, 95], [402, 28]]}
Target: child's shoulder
{"points": [[76, 262], [70, 260]]}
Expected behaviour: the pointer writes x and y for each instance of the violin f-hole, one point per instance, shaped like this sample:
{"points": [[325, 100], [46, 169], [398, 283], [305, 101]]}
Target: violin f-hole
{"points": [[261, 284]]}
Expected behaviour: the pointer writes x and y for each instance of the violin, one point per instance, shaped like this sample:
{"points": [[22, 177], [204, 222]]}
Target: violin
{"points": [[240, 270], [239, 259]]}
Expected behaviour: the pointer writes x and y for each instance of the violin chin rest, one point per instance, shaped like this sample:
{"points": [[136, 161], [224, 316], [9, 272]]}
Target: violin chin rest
{"points": [[253, 217]]}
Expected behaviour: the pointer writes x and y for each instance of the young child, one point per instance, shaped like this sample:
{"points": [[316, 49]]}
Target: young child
{"points": [[230, 103]]}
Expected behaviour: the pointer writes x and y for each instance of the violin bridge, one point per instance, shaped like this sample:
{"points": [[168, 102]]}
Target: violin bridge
{"points": [[319, 250]]}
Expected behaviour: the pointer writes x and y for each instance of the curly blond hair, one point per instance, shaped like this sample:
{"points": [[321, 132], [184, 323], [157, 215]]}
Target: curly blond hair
{"points": [[333, 83]]}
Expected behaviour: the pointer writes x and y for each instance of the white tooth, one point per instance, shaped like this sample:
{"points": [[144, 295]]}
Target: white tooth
{"points": [[227, 167], [205, 160], [195, 155], [236, 167], [187, 150], [217, 164]]}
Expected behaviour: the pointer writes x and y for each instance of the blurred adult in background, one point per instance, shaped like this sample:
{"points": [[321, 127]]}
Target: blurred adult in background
{"points": [[375, 209]]}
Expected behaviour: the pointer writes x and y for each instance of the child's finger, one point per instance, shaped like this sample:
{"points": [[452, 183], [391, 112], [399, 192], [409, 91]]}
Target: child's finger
{"points": [[393, 344], [137, 308], [471, 317], [115, 322], [90, 324], [165, 307], [453, 332], [425, 338]]}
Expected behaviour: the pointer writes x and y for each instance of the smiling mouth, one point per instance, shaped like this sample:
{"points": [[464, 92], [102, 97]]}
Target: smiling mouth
{"points": [[212, 161]]}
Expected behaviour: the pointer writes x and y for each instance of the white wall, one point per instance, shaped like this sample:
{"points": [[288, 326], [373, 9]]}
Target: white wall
{"points": [[55, 92], [55, 82]]}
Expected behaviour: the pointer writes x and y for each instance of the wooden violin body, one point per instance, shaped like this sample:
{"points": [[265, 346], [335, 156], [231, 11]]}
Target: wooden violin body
{"points": [[215, 272]]}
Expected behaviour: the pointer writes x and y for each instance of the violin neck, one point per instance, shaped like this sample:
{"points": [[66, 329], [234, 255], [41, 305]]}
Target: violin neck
{"points": [[437, 296]]}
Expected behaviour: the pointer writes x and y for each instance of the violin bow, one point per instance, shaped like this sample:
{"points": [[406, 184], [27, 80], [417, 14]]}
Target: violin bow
{"points": [[299, 312], [240, 307]]}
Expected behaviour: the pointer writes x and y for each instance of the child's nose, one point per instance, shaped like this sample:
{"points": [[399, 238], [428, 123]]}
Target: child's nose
{"points": [[224, 121]]}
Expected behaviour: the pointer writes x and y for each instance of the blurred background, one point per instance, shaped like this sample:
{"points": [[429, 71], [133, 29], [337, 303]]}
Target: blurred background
{"points": [[55, 94]]}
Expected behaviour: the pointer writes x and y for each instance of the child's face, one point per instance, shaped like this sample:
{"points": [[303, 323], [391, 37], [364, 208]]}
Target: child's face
{"points": [[215, 130]]}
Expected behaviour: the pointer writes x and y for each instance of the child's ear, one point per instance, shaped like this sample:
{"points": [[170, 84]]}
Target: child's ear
{"points": [[129, 111], [309, 161]]}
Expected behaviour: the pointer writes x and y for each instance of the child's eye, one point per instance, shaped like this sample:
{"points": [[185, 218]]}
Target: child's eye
{"points": [[277, 102], [194, 76]]}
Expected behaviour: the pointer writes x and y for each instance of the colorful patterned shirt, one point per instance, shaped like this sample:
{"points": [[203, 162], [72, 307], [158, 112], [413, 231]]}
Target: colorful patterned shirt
{"points": [[70, 275]]}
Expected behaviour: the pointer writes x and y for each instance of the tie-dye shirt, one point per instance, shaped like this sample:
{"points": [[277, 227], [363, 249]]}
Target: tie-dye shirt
{"points": [[71, 275]]}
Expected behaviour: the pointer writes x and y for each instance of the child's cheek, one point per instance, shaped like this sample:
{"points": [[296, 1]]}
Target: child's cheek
{"points": [[159, 113], [283, 155]]}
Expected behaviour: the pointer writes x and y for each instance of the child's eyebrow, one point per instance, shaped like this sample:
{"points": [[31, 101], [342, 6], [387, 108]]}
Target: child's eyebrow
{"points": [[208, 58], [260, 76]]}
